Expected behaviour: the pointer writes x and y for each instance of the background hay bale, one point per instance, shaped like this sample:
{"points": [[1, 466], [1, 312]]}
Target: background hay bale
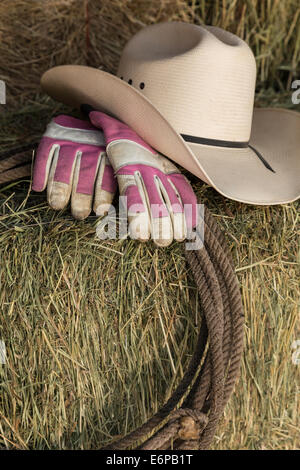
{"points": [[99, 333], [36, 35]]}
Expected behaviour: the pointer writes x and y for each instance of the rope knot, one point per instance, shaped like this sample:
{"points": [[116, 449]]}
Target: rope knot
{"points": [[192, 423]]}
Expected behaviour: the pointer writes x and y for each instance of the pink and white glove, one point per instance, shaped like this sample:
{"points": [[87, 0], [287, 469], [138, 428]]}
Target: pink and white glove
{"points": [[71, 161], [160, 201]]}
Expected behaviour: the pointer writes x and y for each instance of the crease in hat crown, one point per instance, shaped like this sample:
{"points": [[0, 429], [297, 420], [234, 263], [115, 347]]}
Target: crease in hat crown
{"points": [[201, 78]]}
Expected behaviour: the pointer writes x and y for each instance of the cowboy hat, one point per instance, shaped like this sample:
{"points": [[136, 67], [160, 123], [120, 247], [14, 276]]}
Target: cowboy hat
{"points": [[188, 91]]}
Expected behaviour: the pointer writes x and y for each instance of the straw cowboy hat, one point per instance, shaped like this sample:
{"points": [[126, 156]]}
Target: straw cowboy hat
{"points": [[188, 91]]}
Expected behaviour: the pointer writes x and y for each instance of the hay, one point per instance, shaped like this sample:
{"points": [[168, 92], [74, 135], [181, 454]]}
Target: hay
{"points": [[99, 333]]}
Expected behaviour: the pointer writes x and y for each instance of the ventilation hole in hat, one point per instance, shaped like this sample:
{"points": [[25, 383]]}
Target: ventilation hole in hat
{"points": [[142, 85], [121, 78], [130, 81]]}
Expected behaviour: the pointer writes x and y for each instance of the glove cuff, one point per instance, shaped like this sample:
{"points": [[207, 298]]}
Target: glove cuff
{"points": [[116, 130]]}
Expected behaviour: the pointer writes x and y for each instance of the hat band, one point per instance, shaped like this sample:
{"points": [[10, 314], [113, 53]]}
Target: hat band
{"points": [[225, 143], [214, 142]]}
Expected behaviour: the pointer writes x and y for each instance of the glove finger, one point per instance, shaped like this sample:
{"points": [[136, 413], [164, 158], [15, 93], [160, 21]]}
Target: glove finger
{"points": [[187, 197], [60, 176], [81, 202], [161, 231], [105, 186], [42, 163], [161, 223], [138, 215], [175, 207], [85, 171]]}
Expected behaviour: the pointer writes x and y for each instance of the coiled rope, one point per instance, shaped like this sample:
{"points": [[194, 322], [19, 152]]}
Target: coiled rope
{"points": [[212, 372], [16, 163]]}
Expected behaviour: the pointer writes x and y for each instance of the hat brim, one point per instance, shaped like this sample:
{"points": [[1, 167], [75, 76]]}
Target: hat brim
{"points": [[237, 173]]}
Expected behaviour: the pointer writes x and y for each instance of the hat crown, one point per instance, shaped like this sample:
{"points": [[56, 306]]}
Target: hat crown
{"points": [[201, 78]]}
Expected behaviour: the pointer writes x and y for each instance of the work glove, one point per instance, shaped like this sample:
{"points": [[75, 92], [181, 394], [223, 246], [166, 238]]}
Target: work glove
{"points": [[71, 161], [160, 200]]}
